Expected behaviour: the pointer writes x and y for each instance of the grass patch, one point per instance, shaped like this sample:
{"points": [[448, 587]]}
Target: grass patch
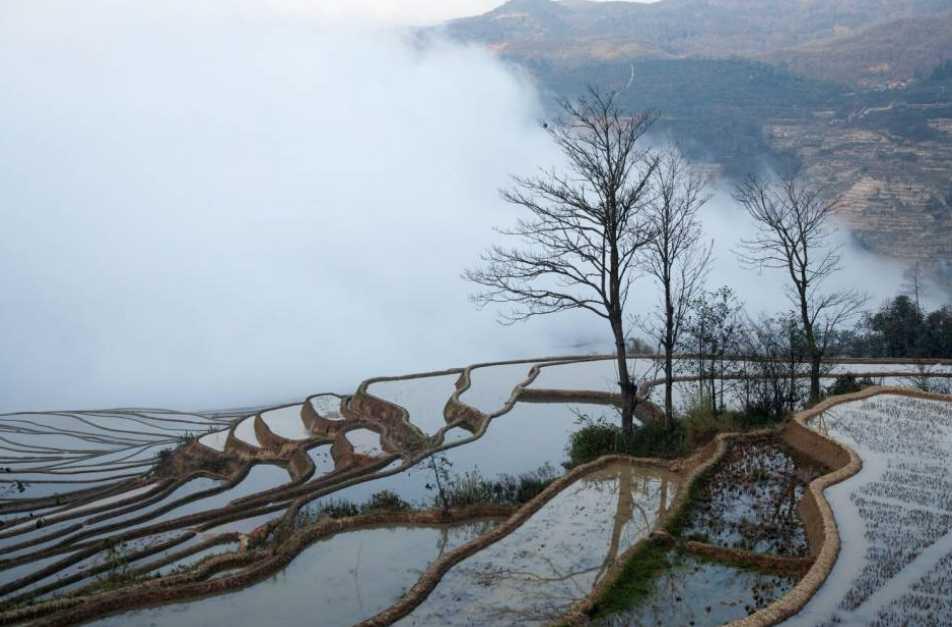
{"points": [[679, 519], [687, 588], [847, 384], [379, 502], [471, 488]]}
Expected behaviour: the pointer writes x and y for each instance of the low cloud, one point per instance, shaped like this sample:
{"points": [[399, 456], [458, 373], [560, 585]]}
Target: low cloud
{"points": [[209, 206]]}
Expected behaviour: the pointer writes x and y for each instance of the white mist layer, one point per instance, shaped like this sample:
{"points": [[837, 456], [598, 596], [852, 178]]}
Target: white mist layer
{"points": [[205, 208], [215, 206]]}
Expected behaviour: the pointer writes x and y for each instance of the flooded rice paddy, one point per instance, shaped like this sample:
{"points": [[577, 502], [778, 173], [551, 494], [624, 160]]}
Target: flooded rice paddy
{"points": [[534, 574], [749, 501], [690, 590], [335, 582]]}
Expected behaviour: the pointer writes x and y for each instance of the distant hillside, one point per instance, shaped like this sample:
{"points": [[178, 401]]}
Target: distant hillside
{"points": [[884, 54], [579, 31], [851, 91], [714, 109]]}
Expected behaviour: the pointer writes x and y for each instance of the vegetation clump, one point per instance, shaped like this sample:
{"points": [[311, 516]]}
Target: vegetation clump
{"points": [[472, 488], [379, 502], [600, 437], [636, 580], [698, 426], [848, 384], [178, 462]]}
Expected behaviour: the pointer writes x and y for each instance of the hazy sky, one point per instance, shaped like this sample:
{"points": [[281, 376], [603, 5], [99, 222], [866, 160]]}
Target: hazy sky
{"points": [[219, 204]]}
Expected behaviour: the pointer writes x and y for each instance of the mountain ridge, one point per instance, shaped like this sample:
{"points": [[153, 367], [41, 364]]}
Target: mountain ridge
{"points": [[770, 30]]}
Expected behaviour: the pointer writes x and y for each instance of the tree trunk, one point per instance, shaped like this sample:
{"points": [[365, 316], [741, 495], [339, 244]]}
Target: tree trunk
{"points": [[815, 361], [668, 353], [815, 355], [624, 379], [700, 371], [668, 388], [615, 313]]}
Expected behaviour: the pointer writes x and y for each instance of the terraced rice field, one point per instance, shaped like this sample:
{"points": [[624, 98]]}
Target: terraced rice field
{"points": [[126, 508]]}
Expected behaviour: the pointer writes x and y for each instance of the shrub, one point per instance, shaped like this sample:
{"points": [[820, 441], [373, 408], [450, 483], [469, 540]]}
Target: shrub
{"points": [[336, 509], [600, 437], [844, 384], [594, 439], [700, 428], [385, 501], [702, 423]]}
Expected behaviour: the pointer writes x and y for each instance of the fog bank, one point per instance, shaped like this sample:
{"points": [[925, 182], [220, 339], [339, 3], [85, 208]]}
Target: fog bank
{"points": [[209, 206], [219, 207]]}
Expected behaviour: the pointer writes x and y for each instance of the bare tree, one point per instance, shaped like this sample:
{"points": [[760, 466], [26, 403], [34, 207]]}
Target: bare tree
{"points": [[676, 257], [794, 221], [584, 229]]}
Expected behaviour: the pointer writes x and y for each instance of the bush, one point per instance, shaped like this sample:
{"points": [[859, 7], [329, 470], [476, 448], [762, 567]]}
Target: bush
{"points": [[599, 437], [336, 509], [698, 426], [702, 423], [593, 440], [753, 419], [844, 384], [385, 501]]}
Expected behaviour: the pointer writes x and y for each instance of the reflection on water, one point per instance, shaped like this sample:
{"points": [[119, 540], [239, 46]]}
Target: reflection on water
{"points": [[523, 440], [535, 573], [423, 398], [601, 375], [693, 591], [338, 581]]}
